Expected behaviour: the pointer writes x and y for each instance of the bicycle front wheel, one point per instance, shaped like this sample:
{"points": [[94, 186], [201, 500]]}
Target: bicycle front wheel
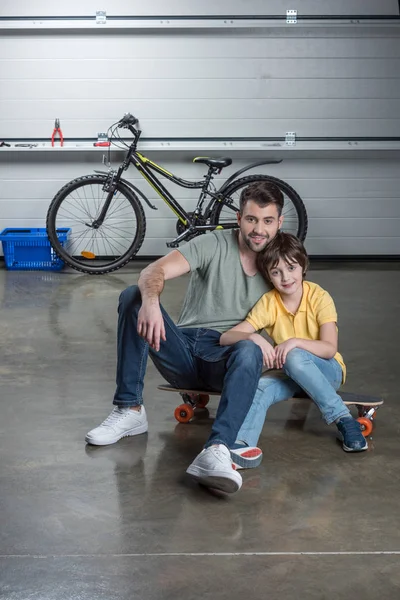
{"points": [[90, 248], [294, 212]]}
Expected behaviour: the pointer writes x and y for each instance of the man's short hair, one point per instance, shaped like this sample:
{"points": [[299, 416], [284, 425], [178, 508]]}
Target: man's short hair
{"points": [[262, 193], [283, 246]]}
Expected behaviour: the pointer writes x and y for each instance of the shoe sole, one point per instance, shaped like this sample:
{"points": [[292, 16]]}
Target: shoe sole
{"points": [[248, 458], [347, 449], [217, 481], [130, 432]]}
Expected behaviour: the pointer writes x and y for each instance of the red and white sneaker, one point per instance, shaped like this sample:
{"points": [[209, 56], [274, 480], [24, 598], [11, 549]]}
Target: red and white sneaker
{"points": [[213, 468], [246, 457]]}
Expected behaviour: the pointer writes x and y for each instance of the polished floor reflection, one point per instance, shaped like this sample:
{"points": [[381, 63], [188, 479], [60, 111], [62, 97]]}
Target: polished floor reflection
{"points": [[124, 522]]}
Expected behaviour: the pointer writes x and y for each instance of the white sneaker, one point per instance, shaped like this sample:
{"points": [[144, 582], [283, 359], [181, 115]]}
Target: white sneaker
{"points": [[120, 422], [213, 468]]}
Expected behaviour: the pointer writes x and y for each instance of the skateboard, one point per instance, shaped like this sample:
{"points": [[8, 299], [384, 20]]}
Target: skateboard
{"points": [[193, 399]]}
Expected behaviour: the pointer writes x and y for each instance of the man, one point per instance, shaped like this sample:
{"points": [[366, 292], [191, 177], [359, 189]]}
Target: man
{"points": [[224, 286]]}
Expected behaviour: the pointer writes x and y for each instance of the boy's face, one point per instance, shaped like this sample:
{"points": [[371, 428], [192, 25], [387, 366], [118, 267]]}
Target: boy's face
{"points": [[258, 225], [286, 277]]}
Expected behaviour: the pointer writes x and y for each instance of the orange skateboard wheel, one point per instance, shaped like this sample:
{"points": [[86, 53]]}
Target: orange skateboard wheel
{"points": [[202, 400], [366, 425], [183, 413]]}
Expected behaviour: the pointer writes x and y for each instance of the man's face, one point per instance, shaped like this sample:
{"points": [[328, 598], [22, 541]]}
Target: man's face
{"points": [[259, 225]]}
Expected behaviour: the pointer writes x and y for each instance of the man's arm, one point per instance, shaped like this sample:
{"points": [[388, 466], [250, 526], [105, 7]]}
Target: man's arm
{"points": [[151, 284]]}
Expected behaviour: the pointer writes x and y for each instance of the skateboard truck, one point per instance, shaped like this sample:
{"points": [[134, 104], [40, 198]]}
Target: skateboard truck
{"points": [[192, 399]]}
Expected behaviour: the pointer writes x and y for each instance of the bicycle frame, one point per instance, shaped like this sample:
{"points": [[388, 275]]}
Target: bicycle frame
{"points": [[145, 166]]}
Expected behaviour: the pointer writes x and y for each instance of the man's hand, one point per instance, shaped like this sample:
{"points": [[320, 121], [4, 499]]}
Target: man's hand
{"points": [[151, 325], [281, 351], [268, 351], [151, 283]]}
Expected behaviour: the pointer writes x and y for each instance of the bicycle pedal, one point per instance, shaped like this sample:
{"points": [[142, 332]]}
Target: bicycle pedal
{"points": [[172, 245]]}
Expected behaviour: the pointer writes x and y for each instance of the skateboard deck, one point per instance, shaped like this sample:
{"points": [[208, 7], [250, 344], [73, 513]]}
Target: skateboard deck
{"points": [[366, 405]]}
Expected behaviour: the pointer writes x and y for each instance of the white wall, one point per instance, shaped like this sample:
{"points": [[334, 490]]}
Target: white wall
{"points": [[205, 84]]}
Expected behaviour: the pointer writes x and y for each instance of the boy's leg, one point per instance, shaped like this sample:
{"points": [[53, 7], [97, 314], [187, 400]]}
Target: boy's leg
{"points": [[320, 378], [271, 389], [174, 361]]}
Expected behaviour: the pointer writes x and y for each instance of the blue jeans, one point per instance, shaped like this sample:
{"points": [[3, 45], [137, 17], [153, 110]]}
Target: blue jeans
{"points": [[189, 358], [303, 372]]}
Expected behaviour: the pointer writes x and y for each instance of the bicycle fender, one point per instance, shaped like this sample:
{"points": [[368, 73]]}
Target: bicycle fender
{"points": [[134, 188], [139, 193], [252, 166]]}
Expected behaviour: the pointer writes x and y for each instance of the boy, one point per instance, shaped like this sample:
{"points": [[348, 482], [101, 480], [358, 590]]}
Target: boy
{"points": [[300, 317]]}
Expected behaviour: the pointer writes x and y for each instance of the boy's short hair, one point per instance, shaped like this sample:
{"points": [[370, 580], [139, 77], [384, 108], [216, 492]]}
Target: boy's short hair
{"points": [[262, 193], [285, 246]]}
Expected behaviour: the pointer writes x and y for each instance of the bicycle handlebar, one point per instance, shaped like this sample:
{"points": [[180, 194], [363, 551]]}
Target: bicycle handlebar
{"points": [[128, 121]]}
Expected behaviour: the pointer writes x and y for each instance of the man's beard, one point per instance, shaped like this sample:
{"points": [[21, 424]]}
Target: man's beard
{"points": [[258, 247]]}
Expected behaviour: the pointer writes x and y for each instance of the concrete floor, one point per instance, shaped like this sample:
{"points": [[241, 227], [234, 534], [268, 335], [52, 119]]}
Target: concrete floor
{"points": [[121, 522]]}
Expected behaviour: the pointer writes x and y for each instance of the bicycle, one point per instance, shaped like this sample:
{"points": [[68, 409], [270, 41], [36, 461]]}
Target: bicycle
{"points": [[106, 218]]}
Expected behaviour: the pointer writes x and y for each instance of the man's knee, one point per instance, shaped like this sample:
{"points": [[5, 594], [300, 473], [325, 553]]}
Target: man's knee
{"points": [[130, 299], [295, 361], [247, 355]]}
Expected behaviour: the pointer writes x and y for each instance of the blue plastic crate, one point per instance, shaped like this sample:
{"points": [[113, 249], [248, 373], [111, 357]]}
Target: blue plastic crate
{"points": [[30, 249]]}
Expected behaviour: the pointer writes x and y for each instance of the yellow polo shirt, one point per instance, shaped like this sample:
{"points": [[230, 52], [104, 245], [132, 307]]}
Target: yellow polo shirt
{"points": [[316, 308]]}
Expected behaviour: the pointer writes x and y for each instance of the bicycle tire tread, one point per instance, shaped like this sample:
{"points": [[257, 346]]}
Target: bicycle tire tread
{"points": [[50, 226]]}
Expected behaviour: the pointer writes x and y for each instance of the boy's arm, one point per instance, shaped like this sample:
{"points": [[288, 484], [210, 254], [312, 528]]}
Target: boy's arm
{"points": [[243, 331], [246, 331], [256, 320], [325, 347]]}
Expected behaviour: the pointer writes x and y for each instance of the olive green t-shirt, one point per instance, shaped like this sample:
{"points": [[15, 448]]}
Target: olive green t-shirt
{"points": [[220, 294]]}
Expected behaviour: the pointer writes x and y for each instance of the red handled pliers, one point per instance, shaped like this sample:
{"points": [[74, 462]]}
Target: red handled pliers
{"points": [[55, 131]]}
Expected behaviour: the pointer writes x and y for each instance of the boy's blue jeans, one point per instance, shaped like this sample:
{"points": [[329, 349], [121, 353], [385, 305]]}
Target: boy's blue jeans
{"points": [[303, 371], [189, 358]]}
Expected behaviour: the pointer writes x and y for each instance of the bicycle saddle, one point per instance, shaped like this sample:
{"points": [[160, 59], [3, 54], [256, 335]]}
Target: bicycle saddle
{"points": [[218, 163]]}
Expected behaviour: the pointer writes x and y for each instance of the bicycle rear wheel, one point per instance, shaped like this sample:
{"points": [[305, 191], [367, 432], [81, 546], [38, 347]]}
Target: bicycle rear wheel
{"points": [[294, 212], [102, 249]]}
